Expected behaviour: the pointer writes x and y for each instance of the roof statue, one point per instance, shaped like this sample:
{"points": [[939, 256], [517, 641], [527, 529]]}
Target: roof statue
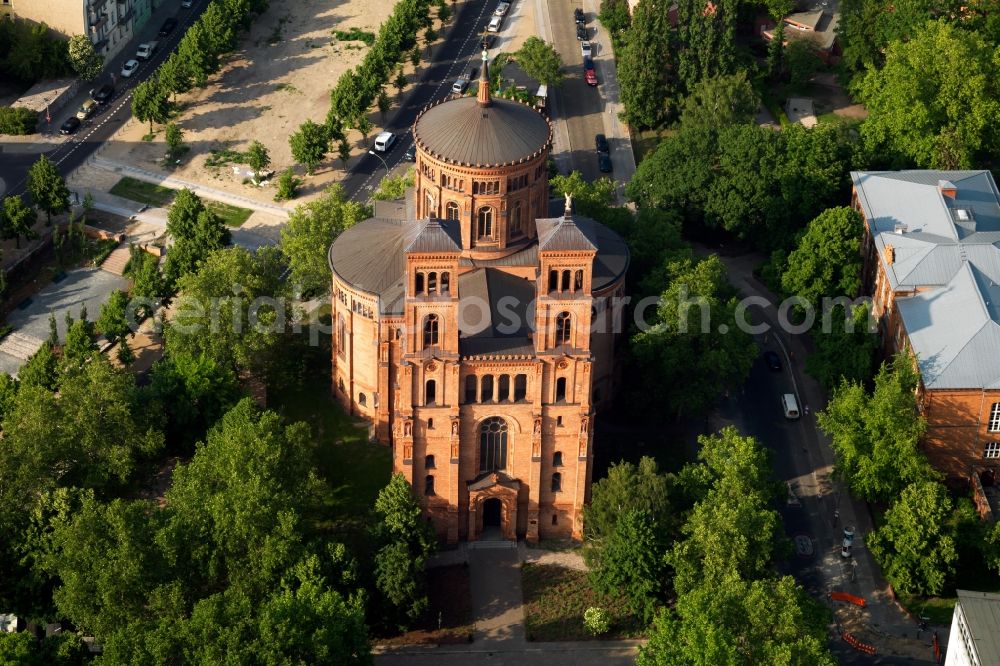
{"points": [[569, 205]]}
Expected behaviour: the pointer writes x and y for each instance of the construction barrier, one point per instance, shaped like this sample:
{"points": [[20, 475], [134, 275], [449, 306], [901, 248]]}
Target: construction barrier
{"points": [[848, 598], [858, 645]]}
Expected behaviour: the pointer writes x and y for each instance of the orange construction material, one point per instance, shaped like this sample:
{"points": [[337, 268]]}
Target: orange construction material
{"points": [[858, 645], [848, 598]]}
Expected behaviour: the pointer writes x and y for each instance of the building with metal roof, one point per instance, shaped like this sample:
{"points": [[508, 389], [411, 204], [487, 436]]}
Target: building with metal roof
{"points": [[932, 265], [974, 639], [475, 329]]}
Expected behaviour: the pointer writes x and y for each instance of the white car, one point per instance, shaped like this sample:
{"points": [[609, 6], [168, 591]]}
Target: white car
{"points": [[501, 9], [585, 49], [186, 4], [128, 69], [384, 141]]}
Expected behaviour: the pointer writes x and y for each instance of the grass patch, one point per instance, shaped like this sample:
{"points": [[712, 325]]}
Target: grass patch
{"points": [[776, 108], [223, 156], [355, 35], [645, 142], [448, 619], [103, 249], [938, 609], [288, 87], [232, 216], [143, 192], [555, 599], [355, 469]]}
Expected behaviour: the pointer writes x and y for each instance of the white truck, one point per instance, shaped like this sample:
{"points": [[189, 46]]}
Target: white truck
{"points": [[146, 50]]}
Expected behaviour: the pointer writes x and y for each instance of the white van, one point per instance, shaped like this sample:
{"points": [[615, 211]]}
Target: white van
{"points": [[384, 141], [790, 405], [494, 25]]}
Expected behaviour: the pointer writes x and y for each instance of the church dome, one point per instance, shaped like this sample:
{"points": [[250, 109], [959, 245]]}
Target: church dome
{"points": [[466, 133]]}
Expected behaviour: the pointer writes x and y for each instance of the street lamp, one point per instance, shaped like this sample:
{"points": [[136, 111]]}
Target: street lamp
{"points": [[384, 163]]}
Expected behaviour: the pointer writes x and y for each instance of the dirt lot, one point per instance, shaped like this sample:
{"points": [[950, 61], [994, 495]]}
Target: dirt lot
{"points": [[280, 75]]}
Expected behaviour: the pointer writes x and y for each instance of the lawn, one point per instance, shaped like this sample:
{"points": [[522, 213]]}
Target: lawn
{"points": [[355, 468], [645, 142], [937, 609], [157, 195], [448, 619], [555, 599]]}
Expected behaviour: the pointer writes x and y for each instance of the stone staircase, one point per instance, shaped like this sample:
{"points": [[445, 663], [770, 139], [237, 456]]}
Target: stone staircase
{"points": [[20, 346], [115, 263]]}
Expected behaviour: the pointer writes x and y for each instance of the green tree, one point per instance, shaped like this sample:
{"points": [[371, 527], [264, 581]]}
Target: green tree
{"points": [[47, 188], [540, 61], [915, 546], [113, 321], [288, 185], [174, 137], [258, 158], [309, 144], [707, 36], [400, 81], [615, 16], [40, 369], [392, 188], [936, 100], [364, 125], [632, 563], [718, 101], [645, 66], [740, 623], [175, 75], [79, 348], [150, 102], [384, 104], [86, 62], [197, 232], [627, 488], [405, 540], [803, 61], [876, 436], [589, 198], [311, 228], [344, 152], [19, 648], [847, 350], [17, 219], [693, 344], [147, 281], [195, 49], [217, 315], [826, 263]]}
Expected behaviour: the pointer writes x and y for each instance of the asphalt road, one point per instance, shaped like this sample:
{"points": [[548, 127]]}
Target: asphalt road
{"points": [[99, 127], [578, 104]]}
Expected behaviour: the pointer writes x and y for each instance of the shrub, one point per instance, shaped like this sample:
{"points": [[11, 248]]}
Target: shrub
{"points": [[17, 120], [288, 185], [596, 621]]}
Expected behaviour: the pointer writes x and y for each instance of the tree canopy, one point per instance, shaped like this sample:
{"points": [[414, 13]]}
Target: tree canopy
{"points": [[47, 188], [826, 263], [540, 61]]}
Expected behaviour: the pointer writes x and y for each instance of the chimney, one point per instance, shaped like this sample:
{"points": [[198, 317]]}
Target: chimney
{"points": [[484, 82], [890, 254], [947, 188]]}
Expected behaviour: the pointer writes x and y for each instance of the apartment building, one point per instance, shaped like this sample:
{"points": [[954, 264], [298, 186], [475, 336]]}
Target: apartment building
{"points": [[110, 24]]}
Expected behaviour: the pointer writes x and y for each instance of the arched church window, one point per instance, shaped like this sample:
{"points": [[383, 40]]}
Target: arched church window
{"points": [[515, 220], [564, 326], [470, 389], [556, 482], [578, 281], [485, 228], [432, 283], [445, 282], [430, 392], [451, 210], [341, 335], [561, 390], [493, 444], [486, 390], [419, 283], [430, 330]]}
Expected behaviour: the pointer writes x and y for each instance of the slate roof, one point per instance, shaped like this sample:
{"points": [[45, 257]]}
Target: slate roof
{"points": [[982, 617], [494, 314], [437, 236], [490, 479], [565, 233], [949, 248], [462, 132]]}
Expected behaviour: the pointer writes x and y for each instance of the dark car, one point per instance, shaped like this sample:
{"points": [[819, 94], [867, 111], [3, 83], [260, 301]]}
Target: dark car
{"points": [[773, 360], [581, 32], [411, 154], [71, 125], [168, 26], [488, 41], [579, 16], [589, 75], [103, 94], [604, 162], [601, 143]]}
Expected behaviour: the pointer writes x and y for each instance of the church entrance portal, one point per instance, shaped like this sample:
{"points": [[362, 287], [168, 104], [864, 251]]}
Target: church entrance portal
{"points": [[491, 513]]}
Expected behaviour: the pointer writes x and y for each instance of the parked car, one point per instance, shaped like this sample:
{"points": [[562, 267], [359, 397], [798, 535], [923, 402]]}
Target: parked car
{"points": [[581, 32], [501, 9], [168, 26], [103, 94], [411, 154], [384, 142], [71, 125], [604, 162], [589, 75], [601, 143], [585, 49], [459, 86], [845, 549], [128, 69], [146, 50], [849, 535], [773, 360], [86, 109], [494, 25], [472, 73], [488, 41], [186, 4]]}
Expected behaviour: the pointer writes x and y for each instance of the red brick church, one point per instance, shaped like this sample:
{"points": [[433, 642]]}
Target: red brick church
{"points": [[473, 328]]}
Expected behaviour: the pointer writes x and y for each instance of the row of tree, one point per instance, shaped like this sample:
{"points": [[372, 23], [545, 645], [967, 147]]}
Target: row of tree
{"points": [[706, 538]]}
